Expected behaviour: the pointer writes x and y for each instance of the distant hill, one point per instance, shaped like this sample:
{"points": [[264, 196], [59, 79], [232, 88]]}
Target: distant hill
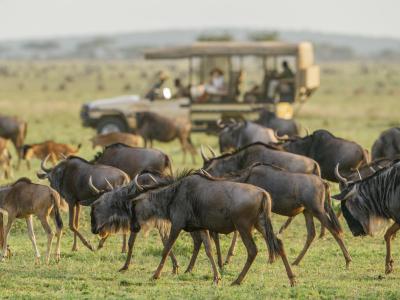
{"points": [[130, 45]]}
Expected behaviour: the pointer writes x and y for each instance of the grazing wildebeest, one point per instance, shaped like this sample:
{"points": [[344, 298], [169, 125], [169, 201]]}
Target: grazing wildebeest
{"points": [[111, 214], [14, 129], [195, 202], [152, 126], [238, 134], [104, 140], [56, 151], [258, 152], [369, 203], [294, 193], [328, 151], [387, 144], [133, 160], [281, 126], [22, 199], [70, 178]]}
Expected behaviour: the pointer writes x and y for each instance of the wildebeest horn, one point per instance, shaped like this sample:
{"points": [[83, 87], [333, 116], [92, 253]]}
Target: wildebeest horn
{"points": [[152, 178], [203, 155], [43, 164], [359, 174], [212, 151], [139, 187], [110, 186], [233, 121], [92, 187], [204, 172], [280, 138], [220, 124], [338, 176], [307, 131], [63, 156]]}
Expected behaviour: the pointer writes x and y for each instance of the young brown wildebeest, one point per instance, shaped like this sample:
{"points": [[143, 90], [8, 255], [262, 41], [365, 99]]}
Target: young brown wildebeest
{"points": [[22, 199], [56, 151], [14, 129], [104, 140], [387, 145], [195, 202], [70, 178], [152, 126], [5, 159]]}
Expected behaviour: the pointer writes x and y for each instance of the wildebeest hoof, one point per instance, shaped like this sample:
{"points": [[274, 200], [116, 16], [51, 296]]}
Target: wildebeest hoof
{"points": [[155, 276], [292, 282], [37, 260], [235, 283], [58, 257], [123, 269], [348, 264], [216, 280], [74, 249], [2, 259], [175, 270], [389, 267]]}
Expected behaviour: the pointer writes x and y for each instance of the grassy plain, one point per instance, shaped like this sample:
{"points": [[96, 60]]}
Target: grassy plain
{"points": [[356, 101]]}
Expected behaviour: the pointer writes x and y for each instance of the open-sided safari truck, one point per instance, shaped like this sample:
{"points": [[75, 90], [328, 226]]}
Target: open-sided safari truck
{"points": [[287, 77]]}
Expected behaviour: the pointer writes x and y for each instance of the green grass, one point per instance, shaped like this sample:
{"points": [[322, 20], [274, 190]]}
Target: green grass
{"points": [[350, 103]]}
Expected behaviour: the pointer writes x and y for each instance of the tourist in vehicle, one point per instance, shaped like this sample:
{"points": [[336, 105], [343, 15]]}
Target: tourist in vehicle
{"points": [[287, 71], [154, 91], [181, 91], [216, 84]]}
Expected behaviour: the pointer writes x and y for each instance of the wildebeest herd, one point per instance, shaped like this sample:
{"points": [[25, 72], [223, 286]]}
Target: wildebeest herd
{"points": [[261, 171]]}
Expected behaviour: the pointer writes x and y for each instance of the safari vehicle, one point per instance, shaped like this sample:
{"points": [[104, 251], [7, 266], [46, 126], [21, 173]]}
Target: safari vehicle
{"points": [[272, 91]]}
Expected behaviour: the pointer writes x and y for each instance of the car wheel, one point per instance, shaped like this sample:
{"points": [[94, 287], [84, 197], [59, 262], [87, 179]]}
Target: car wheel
{"points": [[111, 124]]}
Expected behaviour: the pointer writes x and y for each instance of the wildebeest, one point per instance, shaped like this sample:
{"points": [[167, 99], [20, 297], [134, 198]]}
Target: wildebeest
{"points": [[14, 129], [111, 214], [369, 203], [195, 202], [133, 160], [22, 199], [281, 126], [241, 133], [70, 178], [104, 140], [258, 152], [328, 151], [152, 126], [294, 193], [387, 144], [56, 151], [5, 159]]}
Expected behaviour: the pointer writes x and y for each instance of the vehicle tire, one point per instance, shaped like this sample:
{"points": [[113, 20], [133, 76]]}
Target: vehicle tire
{"points": [[111, 124]]}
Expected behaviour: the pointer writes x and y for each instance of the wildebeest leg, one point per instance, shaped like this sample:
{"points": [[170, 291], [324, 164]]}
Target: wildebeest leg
{"points": [[205, 236], [131, 242], [73, 227], [323, 218], [175, 264], [7, 228], [196, 248], [231, 251], [58, 244], [32, 237], [310, 236], [389, 235], [247, 238], [173, 235], [322, 232], [102, 241], [151, 143], [286, 224], [50, 236], [215, 237], [183, 148], [123, 250]]}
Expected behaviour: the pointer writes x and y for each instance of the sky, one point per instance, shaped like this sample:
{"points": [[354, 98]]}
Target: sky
{"points": [[55, 18]]}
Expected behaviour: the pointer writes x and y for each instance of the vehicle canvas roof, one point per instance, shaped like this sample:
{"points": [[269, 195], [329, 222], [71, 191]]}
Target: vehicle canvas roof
{"points": [[224, 48]]}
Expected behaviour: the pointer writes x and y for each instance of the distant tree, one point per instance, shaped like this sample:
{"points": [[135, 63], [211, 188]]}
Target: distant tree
{"points": [[43, 45], [263, 36], [329, 52], [209, 37]]}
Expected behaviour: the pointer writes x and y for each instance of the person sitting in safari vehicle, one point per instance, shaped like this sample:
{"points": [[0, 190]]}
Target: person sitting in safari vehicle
{"points": [[155, 90]]}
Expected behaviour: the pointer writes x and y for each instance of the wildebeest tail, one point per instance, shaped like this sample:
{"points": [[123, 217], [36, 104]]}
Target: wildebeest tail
{"points": [[329, 209], [273, 243], [56, 208], [168, 164], [1, 231], [366, 156]]}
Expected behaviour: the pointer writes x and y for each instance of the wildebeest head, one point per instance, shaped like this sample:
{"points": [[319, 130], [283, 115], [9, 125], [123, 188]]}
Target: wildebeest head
{"points": [[229, 135], [54, 175], [114, 211], [299, 145]]}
